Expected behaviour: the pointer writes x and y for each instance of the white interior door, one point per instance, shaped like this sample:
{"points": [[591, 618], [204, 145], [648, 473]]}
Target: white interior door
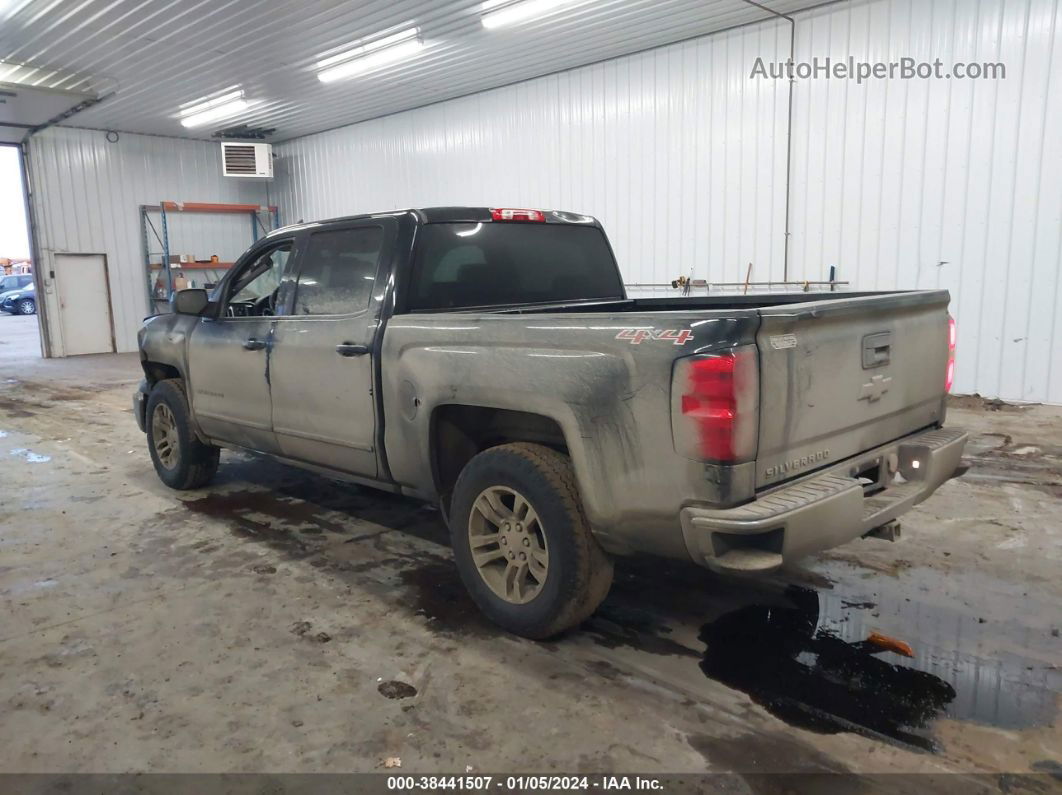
{"points": [[84, 303]]}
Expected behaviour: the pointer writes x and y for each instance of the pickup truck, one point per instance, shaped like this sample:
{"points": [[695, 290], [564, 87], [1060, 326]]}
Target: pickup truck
{"points": [[490, 361]]}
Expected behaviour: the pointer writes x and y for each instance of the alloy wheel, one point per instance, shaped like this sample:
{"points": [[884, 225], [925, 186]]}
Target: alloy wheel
{"points": [[508, 544], [164, 435]]}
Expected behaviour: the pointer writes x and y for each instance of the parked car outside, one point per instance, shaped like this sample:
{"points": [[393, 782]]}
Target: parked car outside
{"points": [[15, 281], [22, 301]]}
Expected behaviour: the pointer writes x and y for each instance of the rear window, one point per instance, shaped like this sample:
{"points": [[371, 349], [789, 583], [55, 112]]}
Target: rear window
{"points": [[489, 264]]}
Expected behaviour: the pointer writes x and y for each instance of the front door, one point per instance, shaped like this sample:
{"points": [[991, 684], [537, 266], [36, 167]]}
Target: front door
{"points": [[228, 353], [321, 365]]}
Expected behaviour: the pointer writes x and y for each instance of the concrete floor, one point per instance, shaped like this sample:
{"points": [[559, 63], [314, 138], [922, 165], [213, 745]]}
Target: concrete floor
{"points": [[261, 624]]}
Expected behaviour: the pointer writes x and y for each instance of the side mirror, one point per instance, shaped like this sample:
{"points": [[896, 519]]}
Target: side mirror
{"points": [[189, 302]]}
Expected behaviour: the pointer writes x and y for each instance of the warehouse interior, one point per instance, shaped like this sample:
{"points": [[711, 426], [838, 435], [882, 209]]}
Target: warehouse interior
{"points": [[280, 620]]}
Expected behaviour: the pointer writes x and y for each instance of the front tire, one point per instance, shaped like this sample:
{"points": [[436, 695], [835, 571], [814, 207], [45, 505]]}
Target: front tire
{"points": [[27, 306], [181, 460], [522, 544]]}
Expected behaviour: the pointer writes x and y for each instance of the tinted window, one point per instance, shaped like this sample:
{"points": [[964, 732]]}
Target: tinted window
{"points": [[338, 271], [461, 265]]}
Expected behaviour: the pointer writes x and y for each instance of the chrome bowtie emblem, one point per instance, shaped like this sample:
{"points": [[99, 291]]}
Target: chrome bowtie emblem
{"points": [[877, 387]]}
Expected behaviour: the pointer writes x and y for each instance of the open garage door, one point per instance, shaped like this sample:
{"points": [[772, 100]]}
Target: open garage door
{"points": [[84, 296], [25, 108]]}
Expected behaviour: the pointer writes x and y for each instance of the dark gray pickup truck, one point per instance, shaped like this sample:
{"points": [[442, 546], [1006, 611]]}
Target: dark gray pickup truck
{"points": [[489, 360]]}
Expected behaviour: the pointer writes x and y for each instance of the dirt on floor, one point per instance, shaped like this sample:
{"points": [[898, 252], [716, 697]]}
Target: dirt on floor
{"points": [[279, 621]]}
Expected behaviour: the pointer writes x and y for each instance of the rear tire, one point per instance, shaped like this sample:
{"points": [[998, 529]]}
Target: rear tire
{"points": [[522, 544], [181, 460], [27, 306]]}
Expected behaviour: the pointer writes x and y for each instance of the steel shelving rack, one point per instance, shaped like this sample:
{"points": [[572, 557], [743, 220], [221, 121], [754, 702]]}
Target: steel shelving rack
{"points": [[262, 219]]}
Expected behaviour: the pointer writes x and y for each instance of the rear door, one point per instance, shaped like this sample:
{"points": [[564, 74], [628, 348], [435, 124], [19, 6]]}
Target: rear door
{"points": [[321, 366], [841, 376]]}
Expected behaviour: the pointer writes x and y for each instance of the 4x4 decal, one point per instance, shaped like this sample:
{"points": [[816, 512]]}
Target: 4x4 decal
{"points": [[636, 336]]}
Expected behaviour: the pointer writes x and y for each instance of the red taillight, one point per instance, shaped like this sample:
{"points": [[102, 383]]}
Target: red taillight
{"points": [[510, 214], [949, 378], [715, 406], [710, 403]]}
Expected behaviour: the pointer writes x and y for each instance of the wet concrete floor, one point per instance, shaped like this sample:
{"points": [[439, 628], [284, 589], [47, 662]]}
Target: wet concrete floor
{"points": [[280, 621]]}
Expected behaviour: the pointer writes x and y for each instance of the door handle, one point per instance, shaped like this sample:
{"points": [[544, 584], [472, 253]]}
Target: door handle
{"points": [[254, 345], [877, 349], [351, 349]]}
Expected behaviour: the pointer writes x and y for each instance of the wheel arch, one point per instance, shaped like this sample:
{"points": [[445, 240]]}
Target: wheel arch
{"points": [[159, 371], [460, 431]]}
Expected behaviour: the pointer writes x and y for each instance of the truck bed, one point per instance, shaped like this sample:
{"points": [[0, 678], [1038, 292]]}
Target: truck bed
{"points": [[840, 373], [694, 303]]}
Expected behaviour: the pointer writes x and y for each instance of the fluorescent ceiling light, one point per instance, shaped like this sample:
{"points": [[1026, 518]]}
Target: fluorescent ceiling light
{"points": [[358, 49], [372, 55], [202, 112], [515, 13], [215, 113], [199, 106]]}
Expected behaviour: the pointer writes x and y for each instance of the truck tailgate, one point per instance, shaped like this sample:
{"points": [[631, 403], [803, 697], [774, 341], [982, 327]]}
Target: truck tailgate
{"points": [[842, 376]]}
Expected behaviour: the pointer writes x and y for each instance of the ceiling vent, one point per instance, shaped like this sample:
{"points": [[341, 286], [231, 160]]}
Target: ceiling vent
{"points": [[247, 160]]}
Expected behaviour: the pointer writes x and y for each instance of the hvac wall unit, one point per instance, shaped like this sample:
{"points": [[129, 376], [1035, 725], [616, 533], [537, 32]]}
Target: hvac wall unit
{"points": [[247, 160]]}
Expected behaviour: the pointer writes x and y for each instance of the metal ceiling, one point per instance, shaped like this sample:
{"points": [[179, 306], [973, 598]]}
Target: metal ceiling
{"points": [[156, 55]]}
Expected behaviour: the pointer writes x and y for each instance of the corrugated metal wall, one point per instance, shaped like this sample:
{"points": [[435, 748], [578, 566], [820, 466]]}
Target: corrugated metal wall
{"points": [[86, 193], [682, 156], [675, 150], [943, 183]]}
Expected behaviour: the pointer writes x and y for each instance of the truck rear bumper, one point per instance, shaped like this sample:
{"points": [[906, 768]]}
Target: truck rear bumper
{"points": [[824, 510]]}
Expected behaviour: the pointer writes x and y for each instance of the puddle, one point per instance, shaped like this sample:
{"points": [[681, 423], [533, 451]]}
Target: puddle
{"points": [[346, 530], [284, 519], [797, 645], [615, 626], [440, 596], [809, 663], [30, 456], [285, 500], [810, 677], [16, 406], [257, 511], [306, 517]]}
